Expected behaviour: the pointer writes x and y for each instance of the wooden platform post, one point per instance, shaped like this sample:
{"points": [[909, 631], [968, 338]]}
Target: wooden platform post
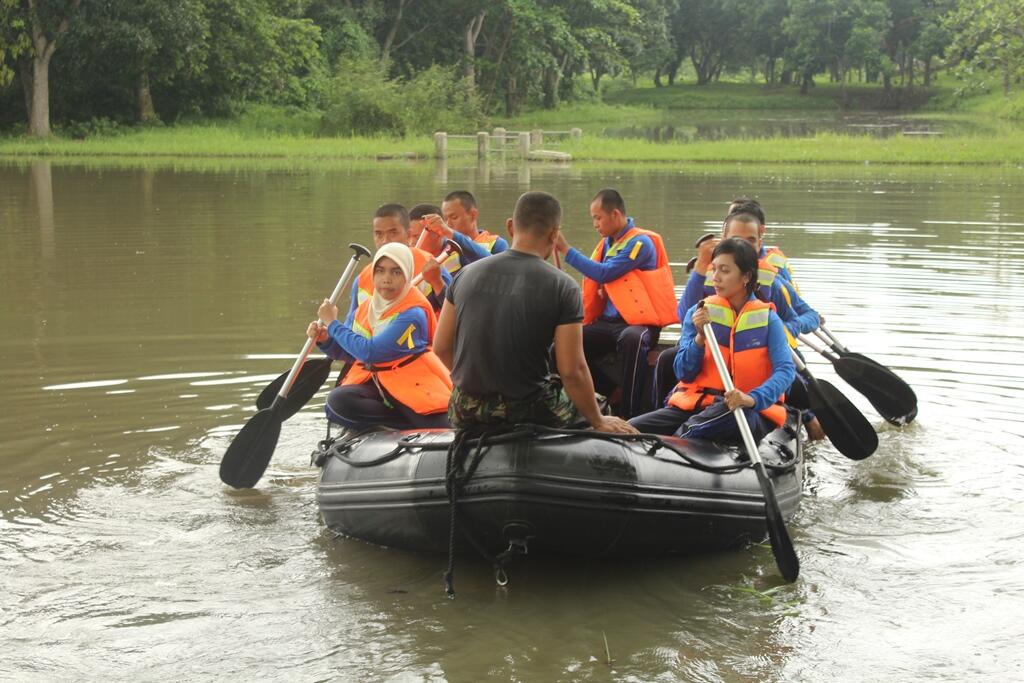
{"points": [[524, 144], [483, 144], [441, 144], [575, 133]]}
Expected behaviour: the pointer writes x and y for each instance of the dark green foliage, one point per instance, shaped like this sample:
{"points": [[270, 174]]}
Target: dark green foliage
{"points": [[393, 60]]}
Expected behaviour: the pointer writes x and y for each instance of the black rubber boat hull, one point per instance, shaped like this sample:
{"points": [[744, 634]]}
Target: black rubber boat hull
{"points": [[572, 495]]}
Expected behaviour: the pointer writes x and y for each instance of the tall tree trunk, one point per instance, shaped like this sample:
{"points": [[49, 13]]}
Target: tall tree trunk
{"points": [[472, 32], [1006, 78], [928, 71], [673, 71], [43, 47], [657, 78], [389, 39], [147, 114], [39, 116]]}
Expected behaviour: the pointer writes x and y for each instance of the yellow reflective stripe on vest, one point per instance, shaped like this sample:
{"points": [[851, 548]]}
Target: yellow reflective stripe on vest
{"points": [[720, 315], [765, 277], [750, 320], [360, 330], [776, 259]]}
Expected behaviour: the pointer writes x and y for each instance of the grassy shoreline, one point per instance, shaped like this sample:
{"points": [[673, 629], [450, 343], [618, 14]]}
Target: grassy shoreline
{"points": [[264, 133], [220, 142]]}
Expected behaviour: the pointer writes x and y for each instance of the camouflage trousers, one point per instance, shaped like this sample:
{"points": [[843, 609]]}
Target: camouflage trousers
{"points": [[550, 407]]}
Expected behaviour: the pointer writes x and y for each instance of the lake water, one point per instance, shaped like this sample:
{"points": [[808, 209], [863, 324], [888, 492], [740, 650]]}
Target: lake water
{"points": [[142, 310]]}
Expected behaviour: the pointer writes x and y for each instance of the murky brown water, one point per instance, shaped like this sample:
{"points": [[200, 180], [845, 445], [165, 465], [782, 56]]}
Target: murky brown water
{"points": [[142, 310]]}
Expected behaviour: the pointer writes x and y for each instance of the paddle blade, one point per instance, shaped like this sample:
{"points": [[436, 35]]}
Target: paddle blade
{"points": [[311, 377], [247, 457], [782, 547], [887, 392], [844, 425]]}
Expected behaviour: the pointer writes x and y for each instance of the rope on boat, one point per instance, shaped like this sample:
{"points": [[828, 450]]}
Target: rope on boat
{"points": [[339, 448], [458, 473]]}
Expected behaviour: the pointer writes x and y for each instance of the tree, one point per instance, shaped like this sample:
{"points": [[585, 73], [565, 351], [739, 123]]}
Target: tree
{"points": [[989, 36], [707, 31], [154, 43], [32, 30]]}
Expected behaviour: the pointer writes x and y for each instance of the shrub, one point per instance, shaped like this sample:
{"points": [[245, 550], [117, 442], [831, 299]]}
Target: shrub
{"points": [[362, 101]]}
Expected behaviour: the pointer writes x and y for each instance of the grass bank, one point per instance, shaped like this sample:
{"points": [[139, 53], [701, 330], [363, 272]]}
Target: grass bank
{"points": [[219, 141], [822, 148]]}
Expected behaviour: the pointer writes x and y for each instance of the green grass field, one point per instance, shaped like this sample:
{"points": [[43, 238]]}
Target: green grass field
{"points": [[278, 133]]}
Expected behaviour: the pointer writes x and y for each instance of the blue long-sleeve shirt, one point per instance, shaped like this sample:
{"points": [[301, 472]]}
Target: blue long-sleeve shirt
{"points": [[804, 319], [690, 359], [473, 250], [405, 335], [638, 253]]}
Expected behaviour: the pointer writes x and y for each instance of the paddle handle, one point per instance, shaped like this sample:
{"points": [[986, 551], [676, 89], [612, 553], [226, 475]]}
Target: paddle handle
{"points": [[343, 283], [723, 372], [449, 248], [558, 259]]}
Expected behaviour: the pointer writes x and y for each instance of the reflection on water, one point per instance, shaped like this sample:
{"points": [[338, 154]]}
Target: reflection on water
{"points": [[697, 125], [142, 311]]}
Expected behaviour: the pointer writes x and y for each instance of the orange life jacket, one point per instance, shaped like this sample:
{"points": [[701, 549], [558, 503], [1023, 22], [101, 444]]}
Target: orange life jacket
{"points": [[642, 297], [420, 380], [452, 263], [419, 260], [749, 367]]}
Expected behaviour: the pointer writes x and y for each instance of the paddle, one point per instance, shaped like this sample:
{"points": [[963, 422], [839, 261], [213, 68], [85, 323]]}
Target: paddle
{"points": [[844, 425], [315, 372], [247, 457], [696, 245], [888, 393], [782, 546]]}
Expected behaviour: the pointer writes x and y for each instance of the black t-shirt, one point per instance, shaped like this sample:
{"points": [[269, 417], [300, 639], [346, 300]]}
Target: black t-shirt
{"points": [[508, 307]]}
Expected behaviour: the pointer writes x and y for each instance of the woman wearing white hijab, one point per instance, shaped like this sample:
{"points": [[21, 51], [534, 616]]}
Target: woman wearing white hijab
{"points": [[396, 381]]}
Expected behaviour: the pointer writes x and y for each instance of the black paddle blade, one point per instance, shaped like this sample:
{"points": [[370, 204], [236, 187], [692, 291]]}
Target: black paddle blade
{"points": [[311, 377], [782, 547], [888, 393], [247, 457], [797, 395], [844, 425]]}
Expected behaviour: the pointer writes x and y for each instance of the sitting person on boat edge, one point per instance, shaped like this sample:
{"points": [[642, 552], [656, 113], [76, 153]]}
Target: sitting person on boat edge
{"points": [[752, 339], [499, 320], [796, 315], [628, 296], [397, 381], [391, 224], [459, 224]]}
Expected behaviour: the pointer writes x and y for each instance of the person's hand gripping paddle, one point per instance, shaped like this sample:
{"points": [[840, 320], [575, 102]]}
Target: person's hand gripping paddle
{"points": [[247, 457], [782, 546]]}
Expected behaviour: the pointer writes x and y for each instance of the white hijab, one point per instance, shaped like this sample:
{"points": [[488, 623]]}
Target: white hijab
{"points": [[402, 255]]}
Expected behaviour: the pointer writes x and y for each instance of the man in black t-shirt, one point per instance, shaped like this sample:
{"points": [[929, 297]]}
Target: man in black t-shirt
{"points": [[499, 319]]}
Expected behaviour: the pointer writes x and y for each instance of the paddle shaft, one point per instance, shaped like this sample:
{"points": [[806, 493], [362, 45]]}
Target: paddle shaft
{"points": [[343, 283], [831, 337], [723, 372]]}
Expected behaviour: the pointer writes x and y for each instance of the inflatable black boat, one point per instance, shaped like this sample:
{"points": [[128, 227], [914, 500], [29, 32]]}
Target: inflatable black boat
{"points": [[539, 490]]}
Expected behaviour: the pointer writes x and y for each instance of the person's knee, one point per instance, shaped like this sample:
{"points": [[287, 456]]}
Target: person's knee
{"points": [[342, 407]]}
